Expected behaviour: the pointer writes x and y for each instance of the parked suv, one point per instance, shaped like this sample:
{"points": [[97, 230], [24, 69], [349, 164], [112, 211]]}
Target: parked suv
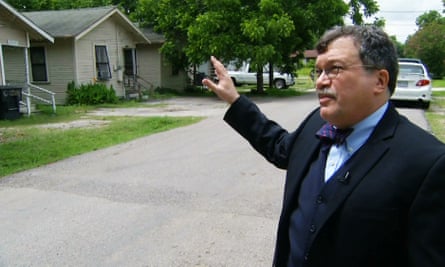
{"points": [[413, 83], [246, 75]]}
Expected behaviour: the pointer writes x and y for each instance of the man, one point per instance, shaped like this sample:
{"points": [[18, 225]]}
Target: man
{"points": [[376, 196]]}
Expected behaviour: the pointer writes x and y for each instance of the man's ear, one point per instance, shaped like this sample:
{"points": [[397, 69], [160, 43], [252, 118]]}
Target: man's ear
{"points": [[382, 81]]}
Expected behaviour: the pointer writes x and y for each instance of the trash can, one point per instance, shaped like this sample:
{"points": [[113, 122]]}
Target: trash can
{"points": [[10, 97]]}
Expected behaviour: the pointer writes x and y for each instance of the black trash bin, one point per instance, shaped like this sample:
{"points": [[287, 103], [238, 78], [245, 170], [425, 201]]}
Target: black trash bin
{"points": [[10, 97]]}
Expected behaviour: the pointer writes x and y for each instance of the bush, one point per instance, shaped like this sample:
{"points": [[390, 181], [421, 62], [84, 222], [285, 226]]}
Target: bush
{"points": [[90, 94]]}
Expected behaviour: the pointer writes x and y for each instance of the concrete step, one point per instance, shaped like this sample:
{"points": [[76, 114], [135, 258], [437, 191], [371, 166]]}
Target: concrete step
{"points": [[24, 110]]}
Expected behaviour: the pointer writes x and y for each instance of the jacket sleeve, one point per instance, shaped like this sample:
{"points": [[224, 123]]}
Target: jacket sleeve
{"points": [[427, 219], [266, 136]]}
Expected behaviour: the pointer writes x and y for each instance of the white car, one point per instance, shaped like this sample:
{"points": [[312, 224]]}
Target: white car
{"points": [[246, 75], [413, 83]]}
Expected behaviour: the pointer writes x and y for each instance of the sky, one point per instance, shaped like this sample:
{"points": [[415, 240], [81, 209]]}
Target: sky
{"points": [[400, 15]]}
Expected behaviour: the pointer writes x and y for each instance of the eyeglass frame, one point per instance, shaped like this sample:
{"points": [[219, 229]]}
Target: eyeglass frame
{"points": [[332, 72]]}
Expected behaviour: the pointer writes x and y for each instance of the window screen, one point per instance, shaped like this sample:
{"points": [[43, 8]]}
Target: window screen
{"points": [[102, 63], [38, 64]]}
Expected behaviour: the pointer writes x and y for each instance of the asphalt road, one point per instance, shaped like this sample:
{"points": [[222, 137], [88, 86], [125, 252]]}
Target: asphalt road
{"points": [[193, 196]]}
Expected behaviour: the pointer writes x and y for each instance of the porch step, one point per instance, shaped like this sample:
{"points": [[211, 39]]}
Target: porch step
{"points": [[24, 110], [133, 96]]}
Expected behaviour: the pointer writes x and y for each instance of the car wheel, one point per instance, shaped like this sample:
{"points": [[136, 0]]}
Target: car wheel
{"points": [[279, 84], [426, 105]]}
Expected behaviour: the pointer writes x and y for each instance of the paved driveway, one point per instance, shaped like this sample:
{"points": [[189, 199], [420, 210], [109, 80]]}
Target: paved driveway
{"points": [[192, 196]]}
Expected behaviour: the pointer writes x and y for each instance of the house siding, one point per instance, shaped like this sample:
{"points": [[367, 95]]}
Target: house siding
{"points": [[115, 38], [15, 66], [60, 67], [169, 80], [153, 67], [12, 41], [10, 34], [2, 81], [149, 64]]}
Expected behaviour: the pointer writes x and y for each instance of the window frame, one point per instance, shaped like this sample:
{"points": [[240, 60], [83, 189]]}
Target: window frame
{"points": [[102, 60], [38, 66]]}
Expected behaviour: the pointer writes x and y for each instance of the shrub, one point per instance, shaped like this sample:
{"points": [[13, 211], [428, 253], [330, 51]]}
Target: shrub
{"points": [[90, 94]]}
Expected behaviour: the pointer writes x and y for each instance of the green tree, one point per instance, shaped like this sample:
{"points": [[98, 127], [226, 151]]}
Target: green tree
{"points": [[128, 6], [428, 18], [399, 46], [428, 43], [250, 32], [172, 18], [263, 31], [369, 8]]}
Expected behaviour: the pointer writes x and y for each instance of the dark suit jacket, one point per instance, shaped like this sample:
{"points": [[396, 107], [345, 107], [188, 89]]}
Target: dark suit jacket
{"points": [[389, 212]]}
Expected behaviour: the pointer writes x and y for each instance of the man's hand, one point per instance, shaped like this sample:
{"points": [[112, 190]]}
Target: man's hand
{"points": [[224, 89]]}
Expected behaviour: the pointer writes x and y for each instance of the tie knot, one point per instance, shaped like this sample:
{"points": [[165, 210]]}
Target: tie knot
{"points": [[328, 133]]}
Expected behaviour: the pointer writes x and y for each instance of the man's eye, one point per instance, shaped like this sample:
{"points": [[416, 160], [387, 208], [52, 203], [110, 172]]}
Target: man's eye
{"points": [[335, 68]]}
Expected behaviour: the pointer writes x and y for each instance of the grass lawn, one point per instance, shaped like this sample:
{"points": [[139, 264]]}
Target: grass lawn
{"points": [[438, 83], [25, 145], [436, 114]]}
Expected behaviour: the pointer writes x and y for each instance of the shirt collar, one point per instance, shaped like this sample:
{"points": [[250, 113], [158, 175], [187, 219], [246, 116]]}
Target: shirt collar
{"points": [[364, 129]]}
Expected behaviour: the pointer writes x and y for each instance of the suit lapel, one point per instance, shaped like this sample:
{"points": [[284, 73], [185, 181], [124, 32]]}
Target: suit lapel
{"points": [[306, 148], [368, 156], [352, 173]]}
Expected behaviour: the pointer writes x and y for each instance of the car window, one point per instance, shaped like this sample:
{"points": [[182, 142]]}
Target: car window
{"points": [[232, 67], [411, 69]]}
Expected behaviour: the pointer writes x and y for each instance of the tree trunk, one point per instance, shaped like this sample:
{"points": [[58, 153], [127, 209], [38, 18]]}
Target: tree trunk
{"points": [[270, 75], [259, 80]]}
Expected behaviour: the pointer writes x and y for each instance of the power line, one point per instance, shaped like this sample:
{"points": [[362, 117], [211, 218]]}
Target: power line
{"points": [[406, 11]]}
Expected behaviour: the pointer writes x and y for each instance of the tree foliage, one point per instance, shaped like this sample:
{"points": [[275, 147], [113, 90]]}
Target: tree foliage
{"points": [[399, 46], [369, 7], [428, 43], [428, 18], [262, 31]]}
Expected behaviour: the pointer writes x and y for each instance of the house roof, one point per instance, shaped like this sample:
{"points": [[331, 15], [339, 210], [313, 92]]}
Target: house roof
{"points": [[154, 37], [31, 27], [75, 23]]}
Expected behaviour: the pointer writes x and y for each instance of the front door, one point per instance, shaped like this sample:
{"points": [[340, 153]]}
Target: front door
{"points": [[130, 62]]}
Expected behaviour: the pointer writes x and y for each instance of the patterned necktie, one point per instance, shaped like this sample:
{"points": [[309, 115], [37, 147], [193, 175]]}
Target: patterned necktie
{"points": [[331, 135]]}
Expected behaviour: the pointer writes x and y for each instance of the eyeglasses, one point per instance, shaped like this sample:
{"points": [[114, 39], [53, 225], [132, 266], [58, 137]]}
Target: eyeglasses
{"points": [[332, 72]]}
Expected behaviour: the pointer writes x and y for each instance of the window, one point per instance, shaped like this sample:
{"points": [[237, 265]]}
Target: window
{"points": [[102, 63], [411, 69], [38, 64], [130, 62]]}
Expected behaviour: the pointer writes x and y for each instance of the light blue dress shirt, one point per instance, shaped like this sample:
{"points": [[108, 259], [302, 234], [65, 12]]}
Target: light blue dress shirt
{"points": [[339, 154]]}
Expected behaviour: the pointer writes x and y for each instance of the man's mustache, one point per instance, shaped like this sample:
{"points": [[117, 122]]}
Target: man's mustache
{"points": [[326, 92]]}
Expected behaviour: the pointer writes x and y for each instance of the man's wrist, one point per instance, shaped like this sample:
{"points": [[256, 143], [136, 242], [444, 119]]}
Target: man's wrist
{"points": [[234, 99]]}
